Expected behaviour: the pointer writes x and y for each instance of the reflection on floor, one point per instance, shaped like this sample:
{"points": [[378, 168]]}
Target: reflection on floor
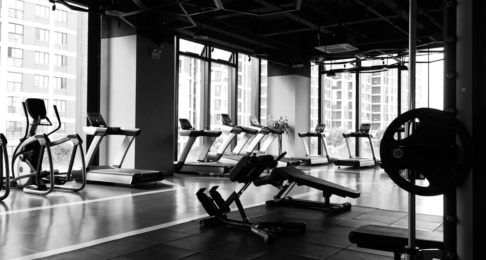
{"points": [[326, 237], [34, 227]]}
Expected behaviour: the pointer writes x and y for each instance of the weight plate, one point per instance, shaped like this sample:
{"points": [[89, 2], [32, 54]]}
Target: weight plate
{"points": [[440, 148]]}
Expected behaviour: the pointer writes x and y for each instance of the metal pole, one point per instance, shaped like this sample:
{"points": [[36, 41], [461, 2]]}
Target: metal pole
{"points": [[411, 76]]}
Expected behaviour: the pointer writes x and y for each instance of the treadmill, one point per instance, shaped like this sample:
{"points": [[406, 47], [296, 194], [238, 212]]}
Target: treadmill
{"points": [[272, 134], [201, 165], [315, 159], [114, 173], [233, 130], [358, 162]]}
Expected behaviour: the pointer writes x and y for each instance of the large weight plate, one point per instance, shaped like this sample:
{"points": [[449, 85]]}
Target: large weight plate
{"points": [[440, 149]]}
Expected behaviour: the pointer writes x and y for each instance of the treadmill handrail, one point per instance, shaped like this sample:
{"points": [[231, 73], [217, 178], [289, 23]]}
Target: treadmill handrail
{"points": [[311, 134], [198, 133], [357, 134], [104, 131]]}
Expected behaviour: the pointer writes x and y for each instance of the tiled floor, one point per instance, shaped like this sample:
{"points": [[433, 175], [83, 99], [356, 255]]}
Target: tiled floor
{"points": [[326, 237], [40, 227]]}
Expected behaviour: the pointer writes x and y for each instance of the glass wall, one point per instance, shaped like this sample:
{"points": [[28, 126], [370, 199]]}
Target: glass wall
{"points": [[34, 39], [263, 91], [212, 82], [379, 103], [191, 91], [314, 107], [221, 86], [339, 109]]}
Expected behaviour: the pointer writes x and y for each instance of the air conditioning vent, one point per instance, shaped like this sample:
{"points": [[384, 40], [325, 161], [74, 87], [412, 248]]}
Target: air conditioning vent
{"points": [[337, 48]]}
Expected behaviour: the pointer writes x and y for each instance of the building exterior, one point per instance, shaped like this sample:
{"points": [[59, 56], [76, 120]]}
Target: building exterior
{"points": [[43, 54]]}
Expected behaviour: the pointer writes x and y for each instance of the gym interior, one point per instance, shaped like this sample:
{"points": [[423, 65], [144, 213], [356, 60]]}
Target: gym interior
{"points": [[242, 129]]}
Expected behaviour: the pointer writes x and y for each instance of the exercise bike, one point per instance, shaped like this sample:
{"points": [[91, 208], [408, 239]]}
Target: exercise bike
{"points": [[28, 156]]}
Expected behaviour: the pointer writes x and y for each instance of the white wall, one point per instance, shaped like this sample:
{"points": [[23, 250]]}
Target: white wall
{"points": [[289, 96], [118, 87]]}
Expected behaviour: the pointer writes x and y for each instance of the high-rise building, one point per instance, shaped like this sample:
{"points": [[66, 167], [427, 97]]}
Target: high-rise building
{"points": [[43, 54]]}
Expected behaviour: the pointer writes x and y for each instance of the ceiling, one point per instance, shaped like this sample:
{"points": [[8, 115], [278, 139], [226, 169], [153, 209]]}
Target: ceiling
{"points": [[286, 28]]}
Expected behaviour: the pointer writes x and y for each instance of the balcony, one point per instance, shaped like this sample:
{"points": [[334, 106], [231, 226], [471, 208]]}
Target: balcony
{"points": [[14, 13], [14, 86], [15, 62], [16, 38]]}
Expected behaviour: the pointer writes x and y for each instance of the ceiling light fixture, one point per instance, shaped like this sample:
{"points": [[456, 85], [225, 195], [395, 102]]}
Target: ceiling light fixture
{"points": [[114, 9], [297, 63], [200, 34]]}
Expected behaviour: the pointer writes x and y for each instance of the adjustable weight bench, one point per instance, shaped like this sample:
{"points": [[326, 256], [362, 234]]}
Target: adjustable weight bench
{"points": [[293, 176], [393, 239]]}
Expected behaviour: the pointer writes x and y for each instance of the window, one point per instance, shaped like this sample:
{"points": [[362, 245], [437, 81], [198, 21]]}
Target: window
{"points": [[14, 81], [15, 57], [42, 58], [60, 38], [17, 10], [60, 16], [14, 105], [60, 104], [15, 33], [41, 81], [60, 83], [42, 11], [60, 60], [14, 129], [376, 99], [41, 35]]}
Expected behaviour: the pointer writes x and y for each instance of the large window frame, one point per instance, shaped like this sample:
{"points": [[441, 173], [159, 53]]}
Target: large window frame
{"points": [[232, 62]]}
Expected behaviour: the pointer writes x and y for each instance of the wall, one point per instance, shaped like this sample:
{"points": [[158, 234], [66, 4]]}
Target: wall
{"points": [[155, 109], [118, 84], [289, 95], [137, 91]]}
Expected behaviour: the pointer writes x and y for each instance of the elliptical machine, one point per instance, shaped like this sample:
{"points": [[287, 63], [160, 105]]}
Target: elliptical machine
{"points": [[4, 161], [28, 157]]}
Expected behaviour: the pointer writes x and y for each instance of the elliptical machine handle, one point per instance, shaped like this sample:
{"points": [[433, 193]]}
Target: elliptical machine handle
{"points": [[58, 121]]}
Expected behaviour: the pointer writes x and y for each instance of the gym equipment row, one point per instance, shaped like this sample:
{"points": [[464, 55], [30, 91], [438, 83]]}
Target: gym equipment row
{"points": [[27, 172], [222, 163]]}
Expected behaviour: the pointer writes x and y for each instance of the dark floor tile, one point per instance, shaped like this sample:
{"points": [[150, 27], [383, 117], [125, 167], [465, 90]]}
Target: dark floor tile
{"points": [[239, 251], [264, 209], [348, 255], [160, 251], [281, 239], [388, 213], [351, 214], [277, 255], [330, 219], [192, 227], [362, 209], [340, 230], [197, 242], [277, 217], [356, 223], [122, 246], [420, 224], [226, 232], [430, 218], [371, 251], [201, 256], [379, 218], [378, 257], [162, 235], [80, 254], [318, 225], [328, 239], [311, 250]]}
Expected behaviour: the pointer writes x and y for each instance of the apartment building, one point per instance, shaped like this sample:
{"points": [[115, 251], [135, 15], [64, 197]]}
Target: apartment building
{"points": [[42, 55]]}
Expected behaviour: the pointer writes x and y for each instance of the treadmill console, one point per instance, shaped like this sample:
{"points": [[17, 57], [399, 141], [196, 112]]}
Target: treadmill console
{"points": [[254, 121], [185, 124], [226, 120], [320, 128], [96, 120], [365, 128]]}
